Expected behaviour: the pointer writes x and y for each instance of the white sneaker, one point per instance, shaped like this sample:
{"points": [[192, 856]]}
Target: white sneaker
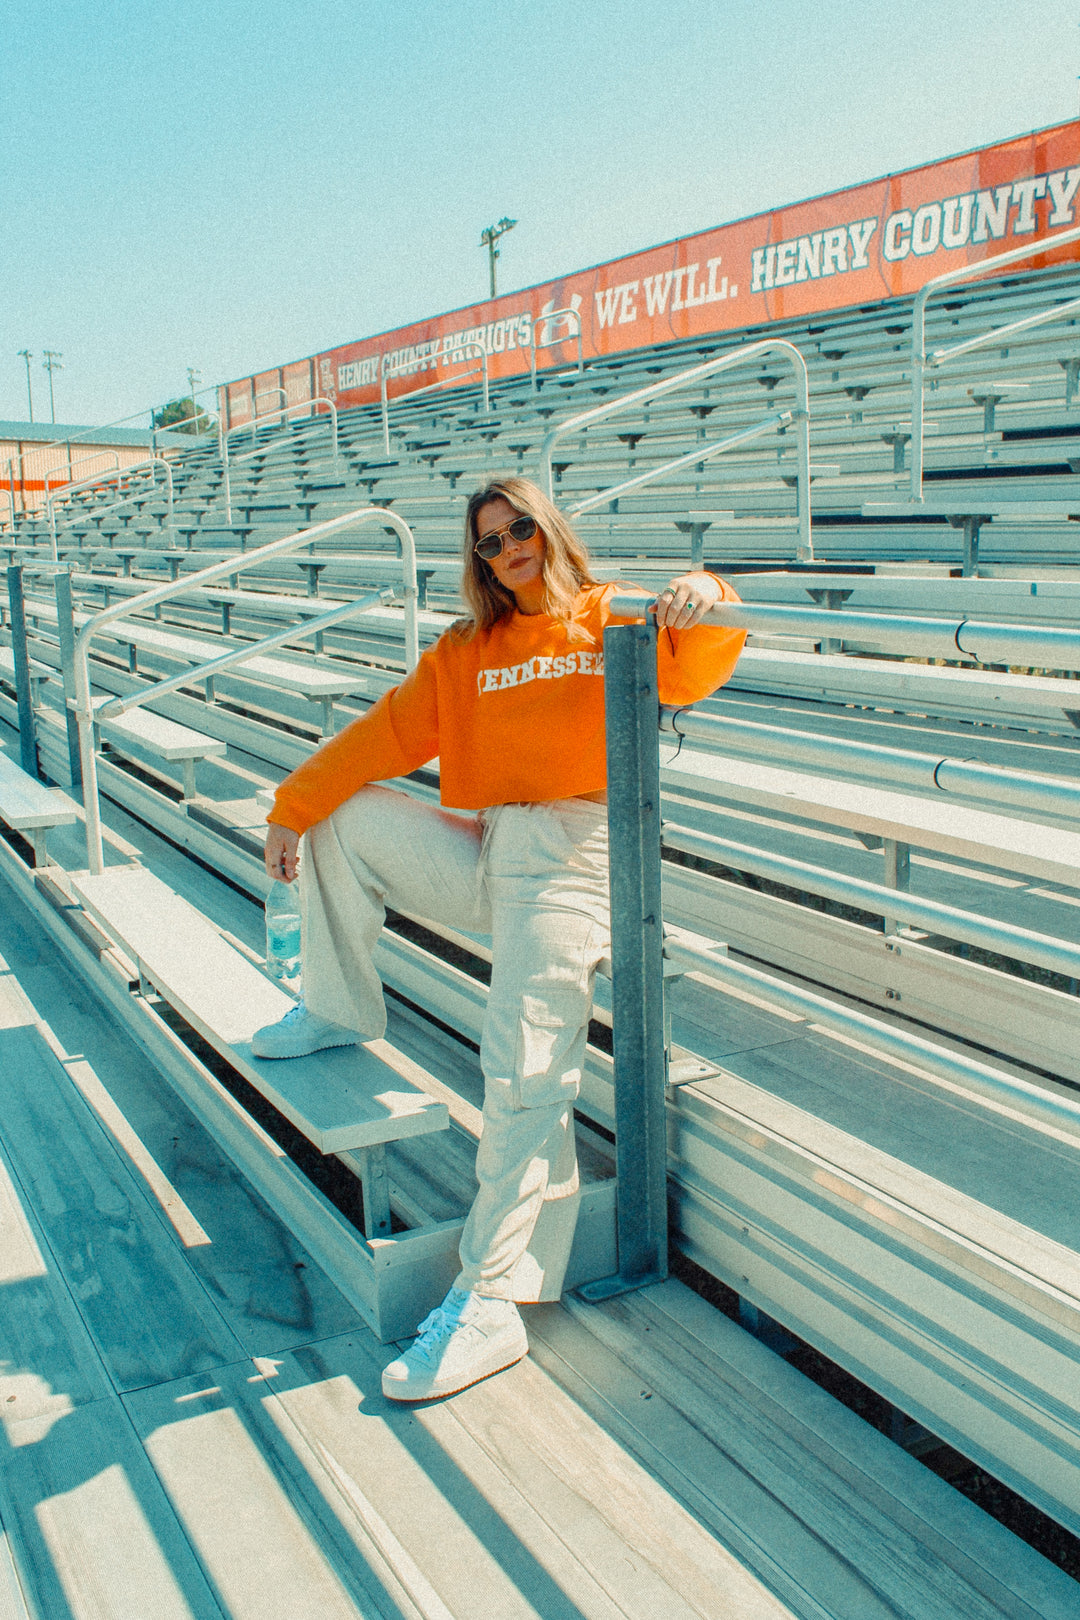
{"points": [[466, 1338], [299, 1033]]}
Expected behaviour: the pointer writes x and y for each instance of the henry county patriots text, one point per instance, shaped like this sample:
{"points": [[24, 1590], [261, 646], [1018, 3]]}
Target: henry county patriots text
{"points": [[883, 239]]}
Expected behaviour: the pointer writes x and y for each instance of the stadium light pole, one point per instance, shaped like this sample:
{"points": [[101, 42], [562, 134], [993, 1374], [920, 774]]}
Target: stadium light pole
{"points": [[488, 238], [50, 364], [28, 356]]}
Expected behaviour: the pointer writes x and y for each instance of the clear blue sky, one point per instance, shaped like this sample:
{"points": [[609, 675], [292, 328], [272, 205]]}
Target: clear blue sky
{"points": [[224, 185]]}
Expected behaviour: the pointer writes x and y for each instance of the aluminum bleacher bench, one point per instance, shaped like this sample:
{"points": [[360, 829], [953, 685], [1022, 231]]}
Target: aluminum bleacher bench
{"points": [[970, 511], [983, 696], [986, 837], [141, 734], [357, 1097], [27, 806]]}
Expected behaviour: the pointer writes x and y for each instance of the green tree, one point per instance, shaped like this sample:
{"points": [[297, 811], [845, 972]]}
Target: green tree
{"points": [[177, 414]]}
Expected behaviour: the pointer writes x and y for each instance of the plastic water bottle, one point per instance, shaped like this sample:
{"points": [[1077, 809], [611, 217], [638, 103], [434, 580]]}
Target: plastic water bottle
{"points": [[283, 934]]}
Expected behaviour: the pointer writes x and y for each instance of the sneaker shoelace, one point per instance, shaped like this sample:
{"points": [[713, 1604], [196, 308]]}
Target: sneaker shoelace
{"points": [[438, 1325]]}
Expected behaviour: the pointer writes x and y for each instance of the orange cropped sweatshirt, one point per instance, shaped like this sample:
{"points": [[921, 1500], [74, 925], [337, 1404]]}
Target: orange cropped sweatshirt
{"points": [[516, 714]]}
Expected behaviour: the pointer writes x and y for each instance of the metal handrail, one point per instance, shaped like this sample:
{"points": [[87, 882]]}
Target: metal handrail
{"points": [[994, 336], [1033, 646], [20, 458], [85, 714], [914, 911], [183, 423], [223, 438], [47, 476], [261, 394], [471, 347], [684, 379], [285, 410], [550, 342], [949, 278], [117, 706], [768, 424], [1029, 791], [119, 472], [135, 416]]}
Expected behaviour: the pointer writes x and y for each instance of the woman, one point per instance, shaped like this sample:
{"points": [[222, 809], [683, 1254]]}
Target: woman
{"points": [[511, 700]]}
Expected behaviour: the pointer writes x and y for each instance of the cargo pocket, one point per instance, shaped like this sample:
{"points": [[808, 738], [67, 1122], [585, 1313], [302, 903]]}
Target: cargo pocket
{"points": [[548, 1068]]}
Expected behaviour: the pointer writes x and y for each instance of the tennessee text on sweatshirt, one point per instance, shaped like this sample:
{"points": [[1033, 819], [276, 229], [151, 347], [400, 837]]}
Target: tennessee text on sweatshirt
{"points": [[516, 714]]}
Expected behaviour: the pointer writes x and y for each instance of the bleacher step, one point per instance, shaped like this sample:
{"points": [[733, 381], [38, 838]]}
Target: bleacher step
{"points": [[348, 1097], [833, 1516]]}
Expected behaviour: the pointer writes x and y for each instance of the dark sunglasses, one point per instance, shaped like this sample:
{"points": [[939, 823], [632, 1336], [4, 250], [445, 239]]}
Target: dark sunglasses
{"points": [[490, 547]]}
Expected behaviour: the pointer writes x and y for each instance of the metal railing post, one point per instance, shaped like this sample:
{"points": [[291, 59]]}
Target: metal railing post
{"points": [[385, 404], [65, 626], [632, 711], [11, 488], [28, 757], [223, 452]]}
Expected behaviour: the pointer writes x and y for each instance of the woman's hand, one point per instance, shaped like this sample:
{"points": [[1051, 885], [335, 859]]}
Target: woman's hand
{"points": [[686, 600], [279, 852]]}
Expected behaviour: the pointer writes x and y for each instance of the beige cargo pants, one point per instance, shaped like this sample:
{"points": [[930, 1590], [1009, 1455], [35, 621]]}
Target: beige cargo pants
{"points": [[534, 876]]}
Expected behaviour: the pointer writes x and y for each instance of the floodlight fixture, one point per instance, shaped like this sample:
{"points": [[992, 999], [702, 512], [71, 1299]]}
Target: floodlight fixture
{"points": [[488, 238]]}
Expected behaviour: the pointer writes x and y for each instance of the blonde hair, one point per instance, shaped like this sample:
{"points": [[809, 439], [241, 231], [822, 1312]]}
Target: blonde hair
{"points": [[566, 562]]}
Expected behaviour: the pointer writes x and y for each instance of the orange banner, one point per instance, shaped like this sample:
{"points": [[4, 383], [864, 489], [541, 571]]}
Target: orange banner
{"points": [[859, 246]]}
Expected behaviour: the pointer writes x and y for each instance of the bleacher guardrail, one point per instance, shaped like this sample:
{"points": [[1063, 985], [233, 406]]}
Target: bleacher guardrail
{"points": [[260, 421], [919, 359], [464, 349], [85, 711], [67, 470], [981, 642], [121, 421], [640, 950], [549, 342], [894, 905], [685, 379], [264, 393], [834, 756], [151, 462], [768, 424]]}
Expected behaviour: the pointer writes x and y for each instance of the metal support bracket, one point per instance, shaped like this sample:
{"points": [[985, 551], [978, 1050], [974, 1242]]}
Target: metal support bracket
{"points": [[971, 524], [375, 1189], [897, 874]]}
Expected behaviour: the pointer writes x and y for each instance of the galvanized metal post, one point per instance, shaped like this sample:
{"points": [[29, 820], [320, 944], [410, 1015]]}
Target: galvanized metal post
{"points": [[28, 757], [637, 956], [65, 625]]}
